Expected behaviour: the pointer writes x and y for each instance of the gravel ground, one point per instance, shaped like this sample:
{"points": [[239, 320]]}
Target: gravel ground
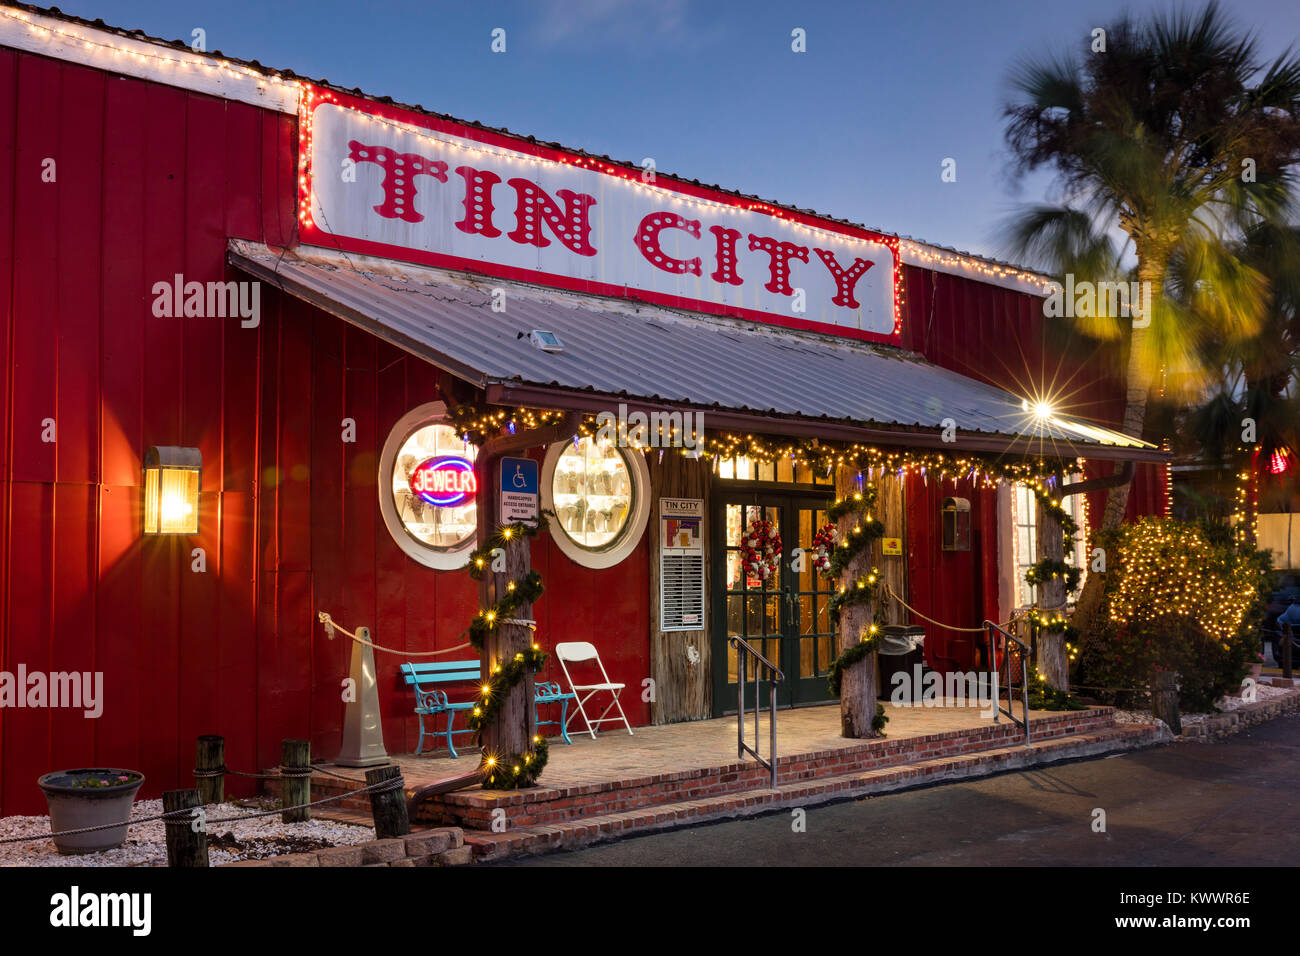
{"points": [[1262, 692], [146, 845]]}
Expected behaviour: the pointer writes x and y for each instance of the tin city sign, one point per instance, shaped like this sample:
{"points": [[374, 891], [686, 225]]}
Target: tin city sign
{"points": [[395, 183]]}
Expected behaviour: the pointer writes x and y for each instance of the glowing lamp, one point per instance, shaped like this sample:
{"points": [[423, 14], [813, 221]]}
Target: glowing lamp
{"points": [[1278, 463], [1040, 409], [171, 490]]}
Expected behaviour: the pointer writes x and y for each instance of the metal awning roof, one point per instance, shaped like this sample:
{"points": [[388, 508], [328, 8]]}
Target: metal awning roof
{"points": [[759, 378]]}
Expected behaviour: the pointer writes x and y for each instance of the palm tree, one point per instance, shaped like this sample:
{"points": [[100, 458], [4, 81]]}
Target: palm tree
{"points": [[1179, 138], [1255, 376]]}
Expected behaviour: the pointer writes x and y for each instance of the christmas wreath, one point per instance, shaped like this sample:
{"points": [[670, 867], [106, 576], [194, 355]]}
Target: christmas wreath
{"points": [[760, 550], [823, 543]]}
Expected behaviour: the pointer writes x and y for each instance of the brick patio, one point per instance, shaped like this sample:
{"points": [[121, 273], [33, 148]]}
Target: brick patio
{"points": [[682, 774], [699, 757], [674, 748]]}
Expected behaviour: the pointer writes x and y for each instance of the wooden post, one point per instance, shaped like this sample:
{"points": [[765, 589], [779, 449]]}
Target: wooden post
{"points": [[187, 844], [1053, 658], [388, 807], [890, 511], [858, 683], [513, 730], [295, 757], [683, 682], [210, 756], [1164, 699]]}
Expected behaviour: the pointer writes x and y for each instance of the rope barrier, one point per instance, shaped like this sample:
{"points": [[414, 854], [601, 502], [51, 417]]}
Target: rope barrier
{"points": [[185, 817], [889, 592], [331, 626]]}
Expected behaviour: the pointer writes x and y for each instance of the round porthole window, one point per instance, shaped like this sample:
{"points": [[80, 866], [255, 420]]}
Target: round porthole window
{"points": [[427, 488], [598, 492]]}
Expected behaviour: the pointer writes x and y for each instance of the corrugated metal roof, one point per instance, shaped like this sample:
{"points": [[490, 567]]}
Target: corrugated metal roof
{"points": [[627, 349]]}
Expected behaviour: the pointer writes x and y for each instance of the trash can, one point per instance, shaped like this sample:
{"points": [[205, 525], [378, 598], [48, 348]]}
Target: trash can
{"points": [[901, 649]]}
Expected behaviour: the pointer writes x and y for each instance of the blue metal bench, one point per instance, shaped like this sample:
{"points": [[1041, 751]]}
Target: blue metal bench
{"points": [[552, 694], [432, 702]]}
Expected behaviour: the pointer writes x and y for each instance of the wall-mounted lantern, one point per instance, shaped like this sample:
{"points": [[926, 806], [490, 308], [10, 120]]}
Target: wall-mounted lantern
{"points": [[171, 490], [956, 524]]}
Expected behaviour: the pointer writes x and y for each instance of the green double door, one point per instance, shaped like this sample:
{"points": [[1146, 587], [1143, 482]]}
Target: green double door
{"points": [[786, 617]]}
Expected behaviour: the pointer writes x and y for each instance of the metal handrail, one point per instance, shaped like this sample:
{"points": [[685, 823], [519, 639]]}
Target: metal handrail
{"points": [[774, 677], [992, 629]]}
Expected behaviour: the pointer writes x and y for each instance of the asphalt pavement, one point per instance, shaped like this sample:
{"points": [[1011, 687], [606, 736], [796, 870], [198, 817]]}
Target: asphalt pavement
{"points": [[1228, 803]]}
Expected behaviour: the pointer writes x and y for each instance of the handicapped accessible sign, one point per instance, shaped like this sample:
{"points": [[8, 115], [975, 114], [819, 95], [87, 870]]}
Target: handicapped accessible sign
{"points": [[519, 490]]}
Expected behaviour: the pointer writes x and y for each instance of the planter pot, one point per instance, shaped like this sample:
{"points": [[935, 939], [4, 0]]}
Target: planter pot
{"points": [[74, 805], [1256, 670]]}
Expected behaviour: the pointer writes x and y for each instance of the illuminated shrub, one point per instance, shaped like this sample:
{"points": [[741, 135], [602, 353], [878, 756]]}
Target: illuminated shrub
{"points": [[1178, 596]]}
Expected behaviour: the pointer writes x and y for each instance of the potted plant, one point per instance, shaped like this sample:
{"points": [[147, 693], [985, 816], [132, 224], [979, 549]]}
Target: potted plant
{"points": [[89, 797]]}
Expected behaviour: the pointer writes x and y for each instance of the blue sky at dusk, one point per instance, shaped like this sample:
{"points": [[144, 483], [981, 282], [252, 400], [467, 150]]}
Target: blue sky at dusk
{"points": [[857, 126]]}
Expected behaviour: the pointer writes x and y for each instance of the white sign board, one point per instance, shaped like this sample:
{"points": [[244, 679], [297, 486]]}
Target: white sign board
{"points": [[396, 183], [681, 564], [519, 486]]}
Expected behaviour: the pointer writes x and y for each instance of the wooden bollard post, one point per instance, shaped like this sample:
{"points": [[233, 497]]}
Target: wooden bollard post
{"points": [[210, 758], [1164, 699], [187, 838], [295, 758], [388, 806]]}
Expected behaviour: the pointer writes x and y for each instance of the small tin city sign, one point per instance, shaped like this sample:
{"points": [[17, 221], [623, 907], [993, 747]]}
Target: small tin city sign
{"points": [[445, 481]]}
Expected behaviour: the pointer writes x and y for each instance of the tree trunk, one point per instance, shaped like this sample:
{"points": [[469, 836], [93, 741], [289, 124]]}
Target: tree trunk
{"points": [[1053, 660], [512, 731], [858, 683], [1152, 257], [1151, 271]]}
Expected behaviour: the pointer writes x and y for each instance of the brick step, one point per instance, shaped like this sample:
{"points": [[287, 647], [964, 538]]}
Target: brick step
{"points": [[572, 834], [543, 806]]}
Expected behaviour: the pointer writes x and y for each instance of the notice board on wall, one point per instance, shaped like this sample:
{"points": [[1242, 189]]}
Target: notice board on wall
{"points": [[681, 564]]}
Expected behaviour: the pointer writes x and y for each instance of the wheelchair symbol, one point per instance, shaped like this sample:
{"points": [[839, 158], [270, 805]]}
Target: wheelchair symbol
{"points": [[519, 479]]}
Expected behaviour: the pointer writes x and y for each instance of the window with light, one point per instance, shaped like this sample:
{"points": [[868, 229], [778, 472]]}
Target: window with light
{"points": [[593, 493], [599, 494], [427, 489], [1024, 519]]}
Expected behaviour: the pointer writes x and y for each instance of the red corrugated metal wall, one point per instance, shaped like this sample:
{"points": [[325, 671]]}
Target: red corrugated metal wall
{"points": [[150, 181]]}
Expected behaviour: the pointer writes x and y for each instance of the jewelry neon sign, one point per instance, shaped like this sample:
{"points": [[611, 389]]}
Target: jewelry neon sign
{"points": [[445, 481]]}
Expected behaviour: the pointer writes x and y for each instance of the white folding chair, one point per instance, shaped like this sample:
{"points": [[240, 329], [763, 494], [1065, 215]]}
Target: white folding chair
{"points": [[575, 652]]}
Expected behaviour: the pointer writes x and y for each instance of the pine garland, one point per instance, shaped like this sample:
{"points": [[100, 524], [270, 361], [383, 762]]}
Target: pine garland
{"points": [[1047, 568], [858, 538], [519, 592], [864, 589], [493, 694], [847, 659], [480, 559], [516, 770]]}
